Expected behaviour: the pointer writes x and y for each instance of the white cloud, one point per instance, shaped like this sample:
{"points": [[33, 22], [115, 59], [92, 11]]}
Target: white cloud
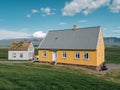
{"points": [[39, 34], [34, 11], [116, 31], [47, 11], [115, 6], [62, 23], [82, 21], [84, 6], [28, 16], [6, 34]]}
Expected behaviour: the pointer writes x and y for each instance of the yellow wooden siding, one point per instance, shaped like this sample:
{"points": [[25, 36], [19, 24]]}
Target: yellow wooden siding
{"points": [[48, 57], [100, 49], [70, 59]]}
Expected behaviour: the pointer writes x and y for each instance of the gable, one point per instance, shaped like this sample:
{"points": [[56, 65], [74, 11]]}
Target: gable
{"points": [[100, 39], [81, 39]]}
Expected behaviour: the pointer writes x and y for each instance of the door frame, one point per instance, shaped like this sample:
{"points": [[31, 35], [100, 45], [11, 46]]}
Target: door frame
{"points": [[54, 55]]}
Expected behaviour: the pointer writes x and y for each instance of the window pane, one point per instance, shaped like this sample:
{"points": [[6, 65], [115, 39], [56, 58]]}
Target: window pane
{"points": [[77, 55], [21, 55], [44, 53], [64, 55], [86, 55], [14, 55]]}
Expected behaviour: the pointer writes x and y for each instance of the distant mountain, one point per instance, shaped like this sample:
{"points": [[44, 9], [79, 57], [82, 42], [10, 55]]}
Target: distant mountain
{"points": [[7, 42], [112, 41], [109, 41]]}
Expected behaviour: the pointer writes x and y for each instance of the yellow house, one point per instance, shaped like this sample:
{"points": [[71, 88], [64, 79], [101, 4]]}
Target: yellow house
{"points": [[77, 46]]}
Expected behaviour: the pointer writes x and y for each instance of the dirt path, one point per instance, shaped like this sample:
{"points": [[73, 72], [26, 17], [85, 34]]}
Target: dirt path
{"points": [[113, 66], [109, 66]]}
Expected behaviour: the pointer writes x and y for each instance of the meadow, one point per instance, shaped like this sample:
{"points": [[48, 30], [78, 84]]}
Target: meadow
{"points": [[34, 76], [112, 55], [37, 76]]}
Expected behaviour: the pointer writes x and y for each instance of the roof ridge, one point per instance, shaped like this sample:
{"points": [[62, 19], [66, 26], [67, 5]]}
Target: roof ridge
{"points": [[77, 28]]}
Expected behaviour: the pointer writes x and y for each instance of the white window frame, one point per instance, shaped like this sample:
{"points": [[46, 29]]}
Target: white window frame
{"points": [[44, 53], [87, 56], [103, 53], [21, 55], [98, 55], [14, 55], [64, 54], [77, 55]]}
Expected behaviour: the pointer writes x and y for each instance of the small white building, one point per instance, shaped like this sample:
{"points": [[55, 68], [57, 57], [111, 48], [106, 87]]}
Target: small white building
{"points": [[21, 51]]}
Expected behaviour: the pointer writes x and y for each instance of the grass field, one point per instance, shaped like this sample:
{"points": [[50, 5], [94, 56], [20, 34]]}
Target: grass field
{"points": [[112, 55], [32, 76]]}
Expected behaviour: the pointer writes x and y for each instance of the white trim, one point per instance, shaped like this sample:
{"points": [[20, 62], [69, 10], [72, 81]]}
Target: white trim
{"points": [[63, 54], [84, 56], [98, 38], [21, 55], [54, 55], [14, 55], [44, 54], [98, 55], [77, 57]]}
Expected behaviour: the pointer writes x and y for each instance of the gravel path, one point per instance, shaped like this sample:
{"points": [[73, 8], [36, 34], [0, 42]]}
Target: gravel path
{"points": [[109, 66], [113, 66]]}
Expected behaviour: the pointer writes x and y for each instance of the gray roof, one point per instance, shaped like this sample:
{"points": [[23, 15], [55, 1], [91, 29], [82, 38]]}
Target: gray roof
{"points": [[80, 39]]}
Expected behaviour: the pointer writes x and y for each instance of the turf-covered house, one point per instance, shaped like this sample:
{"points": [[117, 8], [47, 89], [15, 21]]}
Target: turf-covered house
{"points": [[79, 46], [21, 51]]}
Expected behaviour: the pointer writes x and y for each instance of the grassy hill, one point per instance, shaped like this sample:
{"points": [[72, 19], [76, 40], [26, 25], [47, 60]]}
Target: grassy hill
{"points": [[32, 76]]}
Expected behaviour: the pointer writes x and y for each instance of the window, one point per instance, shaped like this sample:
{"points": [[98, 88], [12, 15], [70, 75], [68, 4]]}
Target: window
{"points": [[21, 55], [64, 54], [86, 55], [14, 55], [44, 54], [98, 55], [103, 54], [77, 55]]}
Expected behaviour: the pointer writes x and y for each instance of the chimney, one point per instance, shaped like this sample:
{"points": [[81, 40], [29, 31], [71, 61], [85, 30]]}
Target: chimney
{"points": [[74, 27]]}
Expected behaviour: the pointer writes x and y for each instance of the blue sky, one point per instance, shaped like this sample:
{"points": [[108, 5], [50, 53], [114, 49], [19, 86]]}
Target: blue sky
{"points": [[26, 18]]}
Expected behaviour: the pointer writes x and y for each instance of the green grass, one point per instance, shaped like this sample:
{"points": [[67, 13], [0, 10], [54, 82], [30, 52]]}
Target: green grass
{"points": [[112, 55], [48, 77], [3, 53]]}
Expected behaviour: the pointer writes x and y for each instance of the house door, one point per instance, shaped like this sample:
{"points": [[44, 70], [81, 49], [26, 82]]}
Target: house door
{"points": [[54, 55]]}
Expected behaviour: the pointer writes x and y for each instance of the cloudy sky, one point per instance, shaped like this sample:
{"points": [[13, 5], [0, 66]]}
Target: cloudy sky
{"points": [[26, 18]]}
